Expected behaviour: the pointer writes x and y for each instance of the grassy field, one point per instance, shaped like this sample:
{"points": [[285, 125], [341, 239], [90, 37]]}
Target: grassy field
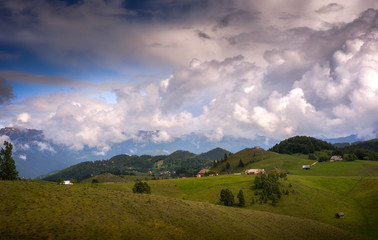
{"points": [[259, 158], [108, 177], [341, 168], [189, 208], [313, 197], [32, 210], [317, 193]]}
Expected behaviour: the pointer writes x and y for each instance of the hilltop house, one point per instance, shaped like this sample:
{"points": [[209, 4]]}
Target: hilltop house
{"points": [[202, 172], [254, 171], [306, 167], [67, 182], [339, 215], [335, 158]]}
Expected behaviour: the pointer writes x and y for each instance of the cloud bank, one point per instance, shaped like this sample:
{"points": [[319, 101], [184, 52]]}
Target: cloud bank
{"points": [[239, 70]]}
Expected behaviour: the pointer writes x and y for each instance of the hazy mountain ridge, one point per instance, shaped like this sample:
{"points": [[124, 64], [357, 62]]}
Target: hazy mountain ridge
{"points": [[35, 155]]}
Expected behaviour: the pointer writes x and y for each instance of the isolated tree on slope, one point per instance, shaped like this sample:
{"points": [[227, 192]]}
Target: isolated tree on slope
{"points": [[141, 187], [241, 198], [7, 165]]}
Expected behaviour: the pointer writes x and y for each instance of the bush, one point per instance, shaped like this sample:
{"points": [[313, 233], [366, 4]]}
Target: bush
{"points": [[312, 156], [60, 180], [95, 180], [141, 187], [350, 157], [323, 157]]}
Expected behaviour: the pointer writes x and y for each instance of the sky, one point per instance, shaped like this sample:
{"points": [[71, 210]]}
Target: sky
{"points": [[93, 73]]}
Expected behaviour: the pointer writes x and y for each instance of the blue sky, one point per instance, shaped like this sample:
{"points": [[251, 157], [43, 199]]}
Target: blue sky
{"points": [[95, 72]]}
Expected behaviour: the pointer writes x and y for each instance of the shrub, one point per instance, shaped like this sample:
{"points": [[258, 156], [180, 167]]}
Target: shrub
{"points": [[141, 187], [60, 180], [350, 157], [312, 156]]}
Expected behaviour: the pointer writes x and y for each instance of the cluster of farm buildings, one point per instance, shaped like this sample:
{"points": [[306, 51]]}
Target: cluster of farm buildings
{"points": [[204, 172]]}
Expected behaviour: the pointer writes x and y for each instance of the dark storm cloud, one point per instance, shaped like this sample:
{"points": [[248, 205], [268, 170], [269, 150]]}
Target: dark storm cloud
{"points": [[203, 35], [286, 16], [34, 79], [177, 10], [8, 56], [237, 16], [332, 7], [5, 91]]}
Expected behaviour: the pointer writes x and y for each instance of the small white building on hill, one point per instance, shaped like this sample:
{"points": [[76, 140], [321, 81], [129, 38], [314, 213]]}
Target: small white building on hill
{"points": [[335, 158], [254, 171], [67, 182], [306, 167]]}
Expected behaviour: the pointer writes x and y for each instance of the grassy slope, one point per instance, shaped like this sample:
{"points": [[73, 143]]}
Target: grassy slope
{"points": [[319, 193], [316, 197], [259, 158], [110, 210], [341, 168], [31, 210]]}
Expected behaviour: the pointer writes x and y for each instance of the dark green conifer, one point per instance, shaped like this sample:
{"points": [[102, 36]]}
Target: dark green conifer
{"points": [[7, 164], [241, 198]]}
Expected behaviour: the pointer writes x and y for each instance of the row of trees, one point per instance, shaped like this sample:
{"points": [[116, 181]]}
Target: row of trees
{"points": [[7, 164], [351, 153], [222, 160], [348, 154], [227, 198]]}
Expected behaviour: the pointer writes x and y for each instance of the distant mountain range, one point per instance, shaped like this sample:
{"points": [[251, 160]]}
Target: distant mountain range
{"points": [[35, 155]]}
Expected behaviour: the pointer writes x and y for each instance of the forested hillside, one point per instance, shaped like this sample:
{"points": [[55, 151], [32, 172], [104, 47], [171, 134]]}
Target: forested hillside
{"points": [[371, 145], [301, 144], [181, 163]]}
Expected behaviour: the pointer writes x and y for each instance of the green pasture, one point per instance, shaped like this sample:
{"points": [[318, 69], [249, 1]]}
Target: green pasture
{"points": [[37, 210], [341, 168], [189, 208], [311, 197]]}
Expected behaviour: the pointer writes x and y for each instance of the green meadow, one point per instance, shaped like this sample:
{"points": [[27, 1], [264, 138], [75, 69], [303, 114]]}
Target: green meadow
{"points": [[311, 197], [36, 210], [190, 208], [341, 168]]}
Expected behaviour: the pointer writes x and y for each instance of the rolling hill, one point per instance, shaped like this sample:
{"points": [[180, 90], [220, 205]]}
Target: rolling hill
{"points": [[301, 144], [317, 194], [259, 158], [45, 211]]}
